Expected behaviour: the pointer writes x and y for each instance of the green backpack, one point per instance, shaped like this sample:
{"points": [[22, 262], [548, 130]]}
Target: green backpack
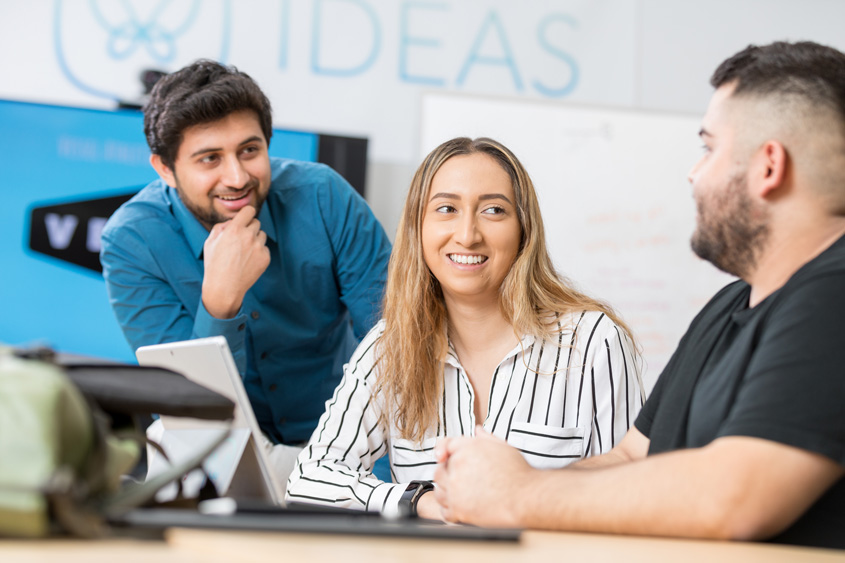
{"points": [[57, 457], [61, 462]]}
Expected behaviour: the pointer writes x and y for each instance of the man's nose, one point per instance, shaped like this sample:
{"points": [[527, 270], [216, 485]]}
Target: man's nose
{"points": [[234, 174], [693, 171]]}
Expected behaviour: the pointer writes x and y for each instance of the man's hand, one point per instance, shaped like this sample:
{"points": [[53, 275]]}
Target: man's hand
{"points": [[478, 480], [235, 256]]}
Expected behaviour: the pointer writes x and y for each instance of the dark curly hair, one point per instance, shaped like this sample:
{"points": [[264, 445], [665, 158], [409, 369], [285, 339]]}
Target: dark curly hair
{"points": [[202, 92]]}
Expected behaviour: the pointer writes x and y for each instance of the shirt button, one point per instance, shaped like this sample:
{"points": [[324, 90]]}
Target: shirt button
{"points": [[241, 326], [263, 355], [272, 387], [282, 420], [255, 315]]}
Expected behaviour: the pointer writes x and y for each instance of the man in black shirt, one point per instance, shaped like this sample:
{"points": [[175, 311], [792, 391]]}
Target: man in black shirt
{"points": [[743, 436]]}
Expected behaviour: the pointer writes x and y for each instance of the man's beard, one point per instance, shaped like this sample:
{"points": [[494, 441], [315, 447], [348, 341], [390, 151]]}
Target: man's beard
{"points": [[209, 216], [730, 231]]}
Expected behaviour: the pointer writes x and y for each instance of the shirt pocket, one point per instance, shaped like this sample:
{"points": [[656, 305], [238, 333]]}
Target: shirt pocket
{"points": [[547, 447], [413, 460]]}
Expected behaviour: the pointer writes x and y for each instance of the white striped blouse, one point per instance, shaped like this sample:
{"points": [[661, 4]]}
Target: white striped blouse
{"points": [[555, 401]]}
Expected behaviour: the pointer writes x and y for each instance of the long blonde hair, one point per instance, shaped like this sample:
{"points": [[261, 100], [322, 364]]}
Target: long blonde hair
{"points": [[414, 344]]}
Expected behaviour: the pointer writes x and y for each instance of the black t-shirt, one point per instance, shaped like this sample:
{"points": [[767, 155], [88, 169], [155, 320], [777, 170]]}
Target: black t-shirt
{"points": [[776, 371]]}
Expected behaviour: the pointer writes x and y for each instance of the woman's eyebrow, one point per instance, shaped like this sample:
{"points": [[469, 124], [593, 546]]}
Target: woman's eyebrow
{"points": [[483, 197], [494, 196]]}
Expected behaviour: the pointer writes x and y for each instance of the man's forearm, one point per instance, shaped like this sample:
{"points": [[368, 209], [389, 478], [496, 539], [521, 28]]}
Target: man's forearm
{"points": [[605, 494], [741, 488], [728, 490]]}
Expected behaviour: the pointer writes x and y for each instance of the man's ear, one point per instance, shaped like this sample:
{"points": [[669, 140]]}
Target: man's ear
{"points": [[164, 171], [770, 168]]}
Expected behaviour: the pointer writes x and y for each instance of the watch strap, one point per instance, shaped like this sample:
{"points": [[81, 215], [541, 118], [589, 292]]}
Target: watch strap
{"points": [[411, 496]]}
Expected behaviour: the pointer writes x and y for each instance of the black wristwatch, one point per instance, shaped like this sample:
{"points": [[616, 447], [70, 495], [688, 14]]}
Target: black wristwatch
{"points": [[409, 499]]}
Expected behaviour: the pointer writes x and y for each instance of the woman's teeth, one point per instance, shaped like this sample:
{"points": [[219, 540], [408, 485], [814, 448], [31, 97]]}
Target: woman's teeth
{"points": [[464, 259]]}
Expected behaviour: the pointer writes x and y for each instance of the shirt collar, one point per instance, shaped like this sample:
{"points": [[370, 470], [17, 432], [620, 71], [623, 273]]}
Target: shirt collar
{"points": [[265, 217], [196, 233], [521, 348]]}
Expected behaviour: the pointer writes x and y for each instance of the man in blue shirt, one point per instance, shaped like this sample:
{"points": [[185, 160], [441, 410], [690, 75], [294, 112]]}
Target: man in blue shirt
{"points": [[278, 256]]}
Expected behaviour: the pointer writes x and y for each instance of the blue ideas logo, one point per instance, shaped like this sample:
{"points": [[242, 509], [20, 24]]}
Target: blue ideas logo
{"points": [[103, 46]]}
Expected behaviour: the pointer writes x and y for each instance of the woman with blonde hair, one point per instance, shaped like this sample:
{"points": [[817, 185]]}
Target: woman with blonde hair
{"points": [[478, 329]]}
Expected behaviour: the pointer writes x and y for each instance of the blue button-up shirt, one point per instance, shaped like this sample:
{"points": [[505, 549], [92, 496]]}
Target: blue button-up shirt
{"points": [[293, 333]]}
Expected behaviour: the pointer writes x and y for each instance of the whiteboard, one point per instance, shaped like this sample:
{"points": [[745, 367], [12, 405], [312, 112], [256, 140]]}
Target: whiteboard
{"points": [[616, 203]]}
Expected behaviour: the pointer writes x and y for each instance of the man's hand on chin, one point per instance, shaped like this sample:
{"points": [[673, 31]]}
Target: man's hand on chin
{"points": [[235, 255], [479, 480]]}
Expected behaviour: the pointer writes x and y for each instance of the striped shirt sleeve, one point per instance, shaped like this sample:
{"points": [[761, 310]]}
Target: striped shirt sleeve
{"points": [[616, 389], [335, 468]]}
